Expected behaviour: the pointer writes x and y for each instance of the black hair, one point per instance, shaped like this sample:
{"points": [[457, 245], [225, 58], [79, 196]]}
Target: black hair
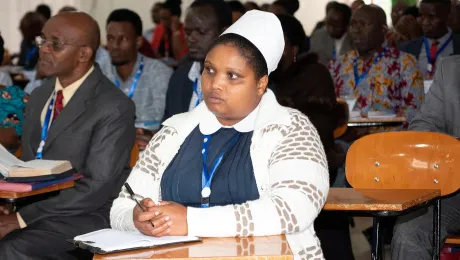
{"points": [[344, 9], [126, 15], [44, 10], [412, 10], [443, 2], [293, 30], [173, 6], [237, 6], [221, 10], [291, 6], [253, 5], [247, 49], [329, 5]]}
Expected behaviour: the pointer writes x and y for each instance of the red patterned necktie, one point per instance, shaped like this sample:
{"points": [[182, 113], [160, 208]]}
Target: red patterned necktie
{"points": [[58, 104], [433, 51]]}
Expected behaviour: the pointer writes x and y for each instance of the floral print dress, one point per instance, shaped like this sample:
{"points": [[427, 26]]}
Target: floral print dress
{"points": [[12, 104]]}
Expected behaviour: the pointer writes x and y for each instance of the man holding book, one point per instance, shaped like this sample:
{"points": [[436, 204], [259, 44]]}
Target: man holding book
{"points": [[80, 116]]}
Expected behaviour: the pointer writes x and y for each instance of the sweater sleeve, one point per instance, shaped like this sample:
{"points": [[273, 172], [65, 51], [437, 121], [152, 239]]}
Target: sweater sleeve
{"points": [[298, 190], [142, 180]]}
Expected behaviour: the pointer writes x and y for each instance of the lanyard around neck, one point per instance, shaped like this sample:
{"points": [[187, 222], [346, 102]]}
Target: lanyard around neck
{"points": [[360, 78], [432, 62], [195, 90], [135, 78], [46, 125], [207, 176]]}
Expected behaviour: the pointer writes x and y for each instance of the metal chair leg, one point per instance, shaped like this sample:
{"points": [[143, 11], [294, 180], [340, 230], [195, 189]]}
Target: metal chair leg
{"points": [[377, 240], [437, 229]]}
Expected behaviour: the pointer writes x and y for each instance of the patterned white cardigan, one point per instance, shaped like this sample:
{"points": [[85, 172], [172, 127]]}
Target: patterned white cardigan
{"points": [[290, 169]]}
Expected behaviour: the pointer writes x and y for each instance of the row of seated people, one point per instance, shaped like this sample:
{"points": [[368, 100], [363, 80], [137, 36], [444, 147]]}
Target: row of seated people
{"points": [[319, 94]]}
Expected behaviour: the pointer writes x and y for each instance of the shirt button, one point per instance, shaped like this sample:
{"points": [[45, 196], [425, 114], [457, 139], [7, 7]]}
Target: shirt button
{"points": [[264, 187]]}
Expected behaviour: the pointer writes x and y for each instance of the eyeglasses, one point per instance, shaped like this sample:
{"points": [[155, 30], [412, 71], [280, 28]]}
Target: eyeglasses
{"points": [[56, 45]]}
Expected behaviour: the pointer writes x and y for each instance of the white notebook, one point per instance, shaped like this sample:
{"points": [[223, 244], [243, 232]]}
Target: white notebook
{"points": [[110, 240]]}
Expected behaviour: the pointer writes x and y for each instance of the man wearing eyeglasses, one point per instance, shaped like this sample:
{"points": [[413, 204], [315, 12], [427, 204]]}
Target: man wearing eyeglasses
{"points": [[76, 115]]}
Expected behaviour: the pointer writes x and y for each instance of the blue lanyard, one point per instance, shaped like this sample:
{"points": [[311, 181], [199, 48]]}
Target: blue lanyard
{"points": [[135, 79], [45, 127], [199, 95], [30, 54], [360, 78], [431, 62], [334, 53], [206, 175]]}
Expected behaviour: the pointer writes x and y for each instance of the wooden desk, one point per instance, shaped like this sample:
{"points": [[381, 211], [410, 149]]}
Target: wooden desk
{"points": [[381, 203], [372, 122], [347, 199], [12, 196], [251, 248]]}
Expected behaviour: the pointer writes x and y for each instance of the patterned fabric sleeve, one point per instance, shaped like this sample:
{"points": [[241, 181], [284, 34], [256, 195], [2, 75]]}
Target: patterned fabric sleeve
{"points": [[142, 180], [298, 189], [411, 86]]}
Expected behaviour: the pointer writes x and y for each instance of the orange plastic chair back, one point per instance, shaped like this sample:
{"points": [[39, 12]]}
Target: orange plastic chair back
{"points": [[134, 155], [405, 160]]}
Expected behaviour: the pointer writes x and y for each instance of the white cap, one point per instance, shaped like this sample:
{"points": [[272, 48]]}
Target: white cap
{"points": [[263, 29]]}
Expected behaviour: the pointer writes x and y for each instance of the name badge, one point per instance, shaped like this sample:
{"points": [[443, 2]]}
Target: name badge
{"points": [[429, 68]]}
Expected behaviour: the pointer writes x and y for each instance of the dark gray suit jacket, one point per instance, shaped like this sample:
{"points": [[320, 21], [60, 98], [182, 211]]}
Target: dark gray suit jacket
{"points": [[323, 45], [95, 132], [414, 47], [440, 111]]}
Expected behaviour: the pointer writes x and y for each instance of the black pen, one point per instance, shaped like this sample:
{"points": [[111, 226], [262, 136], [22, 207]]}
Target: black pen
{"points": [[131, 193]]}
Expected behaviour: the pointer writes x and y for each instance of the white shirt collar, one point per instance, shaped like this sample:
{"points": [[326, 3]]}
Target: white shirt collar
{"points": [[209, 123], [195, 71], [339, 43]]}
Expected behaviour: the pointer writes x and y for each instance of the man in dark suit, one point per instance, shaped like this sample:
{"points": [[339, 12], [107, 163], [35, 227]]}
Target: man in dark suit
{"points": [[91, 125], [440, 112], [438, 40], [204, 22], [333, 40]]}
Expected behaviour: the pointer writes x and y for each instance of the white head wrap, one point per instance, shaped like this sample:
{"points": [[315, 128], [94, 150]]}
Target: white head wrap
{"points": [[264, 30]]}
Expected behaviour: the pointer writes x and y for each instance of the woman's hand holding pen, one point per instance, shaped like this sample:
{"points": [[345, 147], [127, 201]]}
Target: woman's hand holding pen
{"points": [[151, 222], [168, 219], [177, 213]]}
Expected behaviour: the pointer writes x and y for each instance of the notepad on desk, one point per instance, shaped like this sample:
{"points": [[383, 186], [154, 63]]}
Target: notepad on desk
{"points": [[107, 241], [12, 167]]}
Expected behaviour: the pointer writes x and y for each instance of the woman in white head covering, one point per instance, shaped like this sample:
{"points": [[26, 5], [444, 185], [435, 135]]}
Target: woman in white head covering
{"points": [[239, 164]]}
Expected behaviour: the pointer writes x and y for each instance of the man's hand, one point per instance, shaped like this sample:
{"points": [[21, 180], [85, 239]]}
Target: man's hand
{"points": [[8, 223], [143, 137], [6, 208]]}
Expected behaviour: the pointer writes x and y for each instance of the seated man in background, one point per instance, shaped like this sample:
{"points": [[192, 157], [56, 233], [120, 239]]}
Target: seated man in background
{"points": [[142, 79], [333, 40], [204, 22], [87, 121], [438, 40], [31, 26], [440, 112], [377, 76], [238, 10]]}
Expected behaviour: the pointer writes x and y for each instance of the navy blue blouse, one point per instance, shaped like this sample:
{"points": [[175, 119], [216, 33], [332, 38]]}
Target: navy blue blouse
{"points": [[233, 182]]}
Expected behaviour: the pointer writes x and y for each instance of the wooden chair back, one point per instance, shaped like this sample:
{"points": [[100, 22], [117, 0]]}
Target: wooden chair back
{"points": [[405, 160], [134, 155]]}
